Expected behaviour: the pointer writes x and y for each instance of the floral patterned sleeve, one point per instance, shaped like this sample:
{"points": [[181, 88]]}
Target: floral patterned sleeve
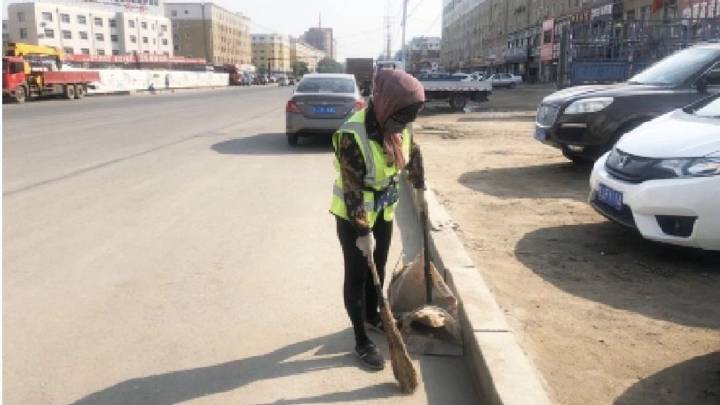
{"points": [[415, 168], [352, 170]]}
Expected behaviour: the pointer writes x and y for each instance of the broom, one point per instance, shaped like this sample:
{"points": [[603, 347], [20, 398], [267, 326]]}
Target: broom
{"points": [[402, 366]]}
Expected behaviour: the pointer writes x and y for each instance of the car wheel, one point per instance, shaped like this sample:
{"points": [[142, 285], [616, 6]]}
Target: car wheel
{"points": [[577, 159], [292, 139], [458, 101], [20, 94]]}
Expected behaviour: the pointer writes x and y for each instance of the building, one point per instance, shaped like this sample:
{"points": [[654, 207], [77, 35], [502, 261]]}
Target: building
{"points": [[423, 54], [92, 28], [322, 39], [5, 36], [304, 52], [271, 53], [205, 30]]}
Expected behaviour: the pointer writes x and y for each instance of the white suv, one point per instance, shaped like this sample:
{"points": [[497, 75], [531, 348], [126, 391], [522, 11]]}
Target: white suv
{"points": [[663, 178]]}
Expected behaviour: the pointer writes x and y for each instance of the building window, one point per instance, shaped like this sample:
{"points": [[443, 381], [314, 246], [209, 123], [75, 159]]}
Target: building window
{"points": [[173, 13], [116, 52], [49, 33], [47, 16], [23, 33], [67, 35], [98, 22], [186, 12], [85, 51], [143, 25], [101, 52], [81, 19], [69, 51], [21, 17], [146, 52], [113, 23], [133, 39], [164, 41], [65, 18], [163, 28], [99, 37], [114, 38], [176, 48], [131, 24], [83, 35], [145, 40]]}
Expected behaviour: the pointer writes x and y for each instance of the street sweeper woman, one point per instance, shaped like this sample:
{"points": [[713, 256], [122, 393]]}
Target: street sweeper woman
{"points": [[371, 149]]}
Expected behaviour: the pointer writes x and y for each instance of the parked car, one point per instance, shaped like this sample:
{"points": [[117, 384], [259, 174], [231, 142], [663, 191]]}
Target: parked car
{"points": [[586, 121], [261, 80], [281, 79], [663, 178], [464, 77], [321, 103], [504, 80]]}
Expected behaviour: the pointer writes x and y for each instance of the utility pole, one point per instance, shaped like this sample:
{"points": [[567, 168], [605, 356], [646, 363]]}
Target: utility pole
{"points": [[403, 49], [388, 37]]}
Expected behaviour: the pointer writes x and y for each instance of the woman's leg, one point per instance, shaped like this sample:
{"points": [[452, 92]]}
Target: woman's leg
{"points": [[356, 276], [383, 235]]}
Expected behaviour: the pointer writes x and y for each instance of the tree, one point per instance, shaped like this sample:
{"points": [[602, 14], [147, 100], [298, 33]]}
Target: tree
{"points": [[329, 65], [299, 68]]}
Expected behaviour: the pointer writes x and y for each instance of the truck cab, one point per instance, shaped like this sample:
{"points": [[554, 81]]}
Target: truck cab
{"points": [[14, 76]]}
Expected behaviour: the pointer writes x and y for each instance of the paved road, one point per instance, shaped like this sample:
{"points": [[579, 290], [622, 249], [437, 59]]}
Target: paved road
{"points": [[173, 248]]}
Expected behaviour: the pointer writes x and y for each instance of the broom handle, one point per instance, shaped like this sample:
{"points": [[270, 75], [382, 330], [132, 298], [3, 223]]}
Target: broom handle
{"points": [[376, 280], [426, 267]]}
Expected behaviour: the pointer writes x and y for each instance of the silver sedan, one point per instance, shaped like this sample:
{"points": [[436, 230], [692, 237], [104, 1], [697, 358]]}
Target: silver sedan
{"points": [[321, 103]]}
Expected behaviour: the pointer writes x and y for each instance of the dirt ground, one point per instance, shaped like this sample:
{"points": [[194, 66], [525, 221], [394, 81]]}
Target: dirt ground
{"points": [[605, 316]]}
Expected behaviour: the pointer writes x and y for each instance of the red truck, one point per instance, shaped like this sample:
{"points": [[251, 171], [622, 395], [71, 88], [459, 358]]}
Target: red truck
{"points": [[31, 71]]}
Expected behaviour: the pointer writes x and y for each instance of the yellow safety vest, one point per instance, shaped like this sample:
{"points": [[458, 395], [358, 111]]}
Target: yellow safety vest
{"points": [[378, 175]]}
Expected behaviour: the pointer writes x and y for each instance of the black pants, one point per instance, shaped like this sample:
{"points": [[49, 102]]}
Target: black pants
{"points": [[361, 300]]}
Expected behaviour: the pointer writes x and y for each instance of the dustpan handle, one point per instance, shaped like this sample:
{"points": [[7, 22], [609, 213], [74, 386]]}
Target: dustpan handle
{"points": [[426, 267]]}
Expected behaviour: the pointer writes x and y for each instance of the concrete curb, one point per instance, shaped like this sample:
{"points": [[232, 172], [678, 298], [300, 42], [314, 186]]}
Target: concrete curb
{"points": [[503, 374]]}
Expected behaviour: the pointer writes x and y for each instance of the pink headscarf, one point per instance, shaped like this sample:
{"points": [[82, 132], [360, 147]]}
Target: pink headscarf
{"points": [[394, 90]]}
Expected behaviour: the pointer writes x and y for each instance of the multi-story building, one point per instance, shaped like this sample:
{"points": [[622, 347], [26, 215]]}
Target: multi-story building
{"points": [[5, 36], [321, 38], [271, 53], [206, 30], [92, 28], [423, 54], [303, 52]]}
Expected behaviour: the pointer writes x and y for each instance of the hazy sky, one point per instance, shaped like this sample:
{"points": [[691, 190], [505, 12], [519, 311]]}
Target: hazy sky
{"points": [[358, 24]]}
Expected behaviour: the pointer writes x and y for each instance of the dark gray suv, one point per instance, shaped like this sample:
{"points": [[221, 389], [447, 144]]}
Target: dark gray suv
{"points": [[586, 121]]}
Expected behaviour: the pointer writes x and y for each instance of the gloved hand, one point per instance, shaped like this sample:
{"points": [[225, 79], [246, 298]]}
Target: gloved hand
{"points": [[420, 202], [366, 244]]}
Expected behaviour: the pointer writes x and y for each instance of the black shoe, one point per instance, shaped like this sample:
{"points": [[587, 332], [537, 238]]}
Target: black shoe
{"points": [[375, 325], [370, 356]]}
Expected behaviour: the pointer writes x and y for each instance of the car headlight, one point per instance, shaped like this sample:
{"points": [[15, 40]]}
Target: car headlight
{"points": [[588, 105], [704, 167], [698, 167]]}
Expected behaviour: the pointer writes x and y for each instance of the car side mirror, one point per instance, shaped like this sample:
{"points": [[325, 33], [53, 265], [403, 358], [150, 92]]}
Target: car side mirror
{"points": [[702, 85]]}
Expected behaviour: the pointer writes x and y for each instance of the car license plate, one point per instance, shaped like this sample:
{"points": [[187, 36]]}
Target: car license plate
{"points": [[540, 134], [610, 197], [324, 110]]}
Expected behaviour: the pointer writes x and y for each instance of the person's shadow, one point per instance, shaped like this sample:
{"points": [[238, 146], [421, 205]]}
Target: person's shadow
{"points": [[184, 385]]}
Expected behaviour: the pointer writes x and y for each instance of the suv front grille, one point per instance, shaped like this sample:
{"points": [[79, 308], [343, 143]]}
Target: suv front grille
{"points": [[546, 115]]}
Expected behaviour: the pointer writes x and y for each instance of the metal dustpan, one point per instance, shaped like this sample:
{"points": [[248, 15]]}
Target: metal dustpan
{"points": [[426, 309]]}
